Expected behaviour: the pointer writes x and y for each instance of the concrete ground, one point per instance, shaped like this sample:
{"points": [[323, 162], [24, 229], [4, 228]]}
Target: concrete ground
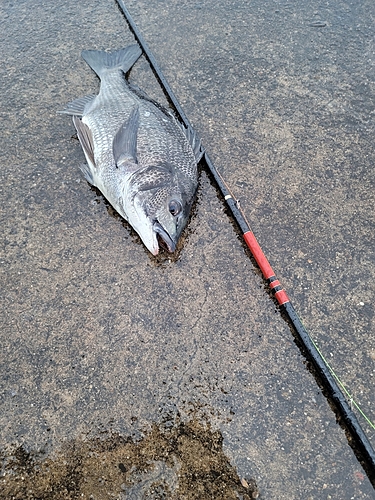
{"points": [[128, 376]]}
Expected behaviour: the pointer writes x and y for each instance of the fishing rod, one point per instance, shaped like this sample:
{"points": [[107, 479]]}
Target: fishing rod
{"points": [[347, 415]]}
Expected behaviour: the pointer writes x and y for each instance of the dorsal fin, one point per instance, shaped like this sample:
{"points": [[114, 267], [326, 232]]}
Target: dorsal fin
{"points": [[194, 141]]}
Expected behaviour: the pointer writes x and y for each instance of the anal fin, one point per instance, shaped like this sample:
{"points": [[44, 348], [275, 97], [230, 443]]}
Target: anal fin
{"points": [[77, 107]]}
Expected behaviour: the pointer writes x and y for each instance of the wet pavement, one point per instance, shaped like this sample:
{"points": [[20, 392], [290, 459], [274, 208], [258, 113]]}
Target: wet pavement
{"points": [[129, 376]]}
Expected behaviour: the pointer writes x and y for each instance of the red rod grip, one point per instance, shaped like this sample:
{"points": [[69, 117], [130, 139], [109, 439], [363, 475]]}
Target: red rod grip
{"points": [[281, 297], [258, 255], [267, 271]]}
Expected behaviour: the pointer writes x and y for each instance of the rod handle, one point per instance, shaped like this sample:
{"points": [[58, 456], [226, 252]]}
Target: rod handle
{"points": [[267, 271]]}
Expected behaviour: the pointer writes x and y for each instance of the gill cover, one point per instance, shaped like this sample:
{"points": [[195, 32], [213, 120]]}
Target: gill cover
{"points": [[157, 206]]}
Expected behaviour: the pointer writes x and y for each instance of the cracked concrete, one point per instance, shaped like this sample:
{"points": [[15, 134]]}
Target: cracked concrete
{"points": [[108, 353]]}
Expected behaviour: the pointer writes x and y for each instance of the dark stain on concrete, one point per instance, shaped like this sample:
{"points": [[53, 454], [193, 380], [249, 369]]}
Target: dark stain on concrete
{"points": [[95, 331], [173, 461]]}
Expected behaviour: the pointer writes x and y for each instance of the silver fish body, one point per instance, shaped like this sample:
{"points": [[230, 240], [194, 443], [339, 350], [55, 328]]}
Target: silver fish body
{"points": [[138, 155]]}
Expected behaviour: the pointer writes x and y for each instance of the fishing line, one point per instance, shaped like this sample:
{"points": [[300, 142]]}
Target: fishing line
{"points": [[326, 375], [350, 397]]}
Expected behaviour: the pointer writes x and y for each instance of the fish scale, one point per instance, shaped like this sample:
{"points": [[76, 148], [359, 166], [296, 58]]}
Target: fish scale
{"points": [[138, 155], [158, 137]]}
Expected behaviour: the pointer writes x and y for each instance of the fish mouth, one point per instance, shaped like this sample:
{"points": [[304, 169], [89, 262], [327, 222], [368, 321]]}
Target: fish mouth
{"points": [[164, 238]]}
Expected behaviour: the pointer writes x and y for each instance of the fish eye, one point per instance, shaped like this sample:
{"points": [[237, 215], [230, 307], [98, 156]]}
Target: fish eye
{"points": [[175, 207]]}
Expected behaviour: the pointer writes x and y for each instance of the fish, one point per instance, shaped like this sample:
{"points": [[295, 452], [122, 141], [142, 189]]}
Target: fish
{"points": [[141, 158]]}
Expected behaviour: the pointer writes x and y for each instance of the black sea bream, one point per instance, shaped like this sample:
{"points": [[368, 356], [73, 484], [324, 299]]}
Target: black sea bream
{"points": [[138, 155]]}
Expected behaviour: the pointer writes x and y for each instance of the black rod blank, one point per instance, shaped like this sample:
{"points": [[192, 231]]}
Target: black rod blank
{"points": [[347, 415]]}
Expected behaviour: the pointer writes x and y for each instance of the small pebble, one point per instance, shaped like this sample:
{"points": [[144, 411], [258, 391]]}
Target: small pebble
{"points": [[318, 24]]}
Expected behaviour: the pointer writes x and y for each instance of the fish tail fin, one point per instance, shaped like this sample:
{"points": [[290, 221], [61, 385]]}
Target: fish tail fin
{"points": [[123, 59]]}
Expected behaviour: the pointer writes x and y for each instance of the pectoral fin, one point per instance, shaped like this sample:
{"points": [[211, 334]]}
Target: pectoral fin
{"points": [[125, 141]]}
